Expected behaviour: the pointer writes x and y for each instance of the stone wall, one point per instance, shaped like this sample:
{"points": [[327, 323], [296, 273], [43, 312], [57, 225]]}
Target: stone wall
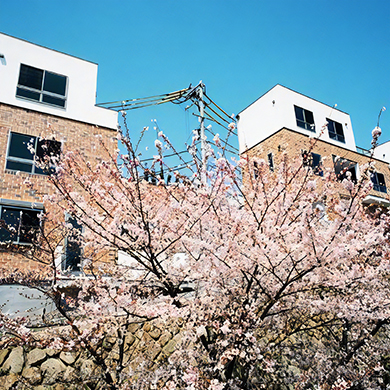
{"points": [[49, 369]]}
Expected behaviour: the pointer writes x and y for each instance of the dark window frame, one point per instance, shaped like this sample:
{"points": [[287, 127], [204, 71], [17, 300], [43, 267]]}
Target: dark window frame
{"points": [[20, 215], [378, 180], [304, 118], [42, 86], [20, 159], [335, 130]]}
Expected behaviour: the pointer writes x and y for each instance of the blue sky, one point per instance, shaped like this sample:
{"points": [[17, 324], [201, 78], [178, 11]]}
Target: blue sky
{"points": [[336, 51]]}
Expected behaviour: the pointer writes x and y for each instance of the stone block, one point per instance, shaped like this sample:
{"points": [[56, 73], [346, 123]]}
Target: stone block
{"points": [[153, 350], [9, 381], [32, 375], [87, 369], [132, 328], [35, 357], [15, 361], [155, 333], [70, 375], [171, 345], [129, 339], [51, 352], [166, 336], [52, 370], [3, 355], [67, 357]]}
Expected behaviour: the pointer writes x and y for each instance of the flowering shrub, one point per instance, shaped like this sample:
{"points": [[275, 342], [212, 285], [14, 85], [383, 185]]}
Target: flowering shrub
{"points": [[273, 291]]}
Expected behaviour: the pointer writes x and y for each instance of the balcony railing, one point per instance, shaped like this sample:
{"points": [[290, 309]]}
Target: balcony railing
{"points": [[365, 152]]}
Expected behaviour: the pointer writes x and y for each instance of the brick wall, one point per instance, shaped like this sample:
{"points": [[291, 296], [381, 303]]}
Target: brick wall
{"points": [[74, 135], [293, 143]]}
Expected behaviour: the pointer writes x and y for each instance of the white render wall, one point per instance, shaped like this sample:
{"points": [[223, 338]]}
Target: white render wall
{"points": [[81, 89], [382, 152], [275, 110]]}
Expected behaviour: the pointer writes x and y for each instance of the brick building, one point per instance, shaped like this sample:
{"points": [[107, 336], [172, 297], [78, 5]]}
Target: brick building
{"points": [[283, 120], [47, 101]]}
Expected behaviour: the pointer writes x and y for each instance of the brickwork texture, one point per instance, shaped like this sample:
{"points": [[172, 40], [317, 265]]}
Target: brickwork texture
{"points": [[74, 136]]}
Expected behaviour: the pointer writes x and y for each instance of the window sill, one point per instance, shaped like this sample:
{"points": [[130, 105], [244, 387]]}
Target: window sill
{"points": [[15, 172], [337, 140], [40, 103], [15, 243]]}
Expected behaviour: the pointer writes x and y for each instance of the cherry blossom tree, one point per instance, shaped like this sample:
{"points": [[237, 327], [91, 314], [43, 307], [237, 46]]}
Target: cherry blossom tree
{"points": [[279, 282]]}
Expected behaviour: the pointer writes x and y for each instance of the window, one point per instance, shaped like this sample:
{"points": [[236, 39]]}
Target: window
{"points": [[41, 86], [25, 150], [271, 161], [73, 248], [255, 170], [19, 225], [335, 130], [305, 118], [314, 161], [378, 180], [342, 166]]}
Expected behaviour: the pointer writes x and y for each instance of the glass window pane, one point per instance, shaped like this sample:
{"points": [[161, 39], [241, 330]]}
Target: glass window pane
{"points": [[353, 174], [18, 166], [30, 77], [73, 250], [316, 159], [46, 147], [309, 117], [339, 129], [53, 100], [10, 223], [299, 113], [40, 171], [54, 83], [72, 256], [25, 93], [29, 227], [18, 146], [381, 179], [271, 161]]}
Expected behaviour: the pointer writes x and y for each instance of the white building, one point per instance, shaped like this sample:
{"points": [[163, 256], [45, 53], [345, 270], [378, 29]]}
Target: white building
{"points": [[282, 107], [283, 120], [41, 79], [47, 101]]}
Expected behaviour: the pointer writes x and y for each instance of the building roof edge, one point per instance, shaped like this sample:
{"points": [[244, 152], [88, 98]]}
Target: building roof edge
{"points": [[292, 90], [48, 48]]}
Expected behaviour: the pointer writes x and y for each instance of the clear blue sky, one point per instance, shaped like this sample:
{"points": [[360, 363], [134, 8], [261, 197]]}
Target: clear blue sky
{"points": [[336, 51]]}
